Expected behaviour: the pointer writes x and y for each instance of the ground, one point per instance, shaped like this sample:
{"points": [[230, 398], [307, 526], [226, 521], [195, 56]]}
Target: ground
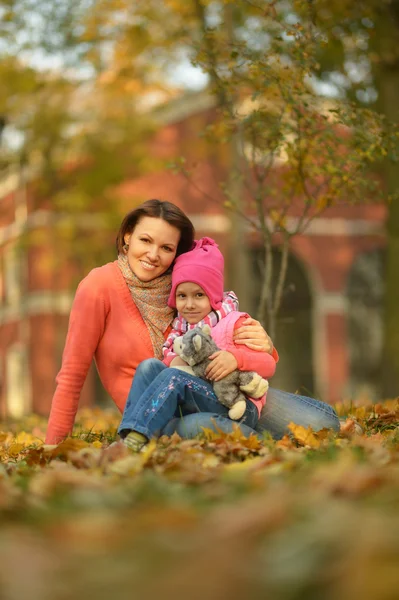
{"points": [[315, 515]]}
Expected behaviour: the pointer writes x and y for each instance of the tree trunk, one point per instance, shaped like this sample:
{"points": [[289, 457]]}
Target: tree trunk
{"points": [[239, 265], [387, 79], [389, 92]]}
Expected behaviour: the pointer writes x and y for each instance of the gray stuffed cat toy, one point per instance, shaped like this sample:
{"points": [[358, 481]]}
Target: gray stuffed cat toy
{"points": [[194, 347]]}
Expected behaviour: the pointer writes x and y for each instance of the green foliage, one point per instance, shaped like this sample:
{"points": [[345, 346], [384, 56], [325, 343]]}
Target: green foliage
{"points": [[291, 151], [71, 126], [360, 57], [286, 149]]}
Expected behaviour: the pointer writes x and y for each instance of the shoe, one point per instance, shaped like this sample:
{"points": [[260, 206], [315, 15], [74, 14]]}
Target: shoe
{"points": [[135, 441]]}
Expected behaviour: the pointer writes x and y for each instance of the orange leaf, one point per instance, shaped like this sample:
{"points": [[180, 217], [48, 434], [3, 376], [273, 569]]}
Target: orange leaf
{"points": [[285, 442], [305, 436], [350, 427], [69, 445]]}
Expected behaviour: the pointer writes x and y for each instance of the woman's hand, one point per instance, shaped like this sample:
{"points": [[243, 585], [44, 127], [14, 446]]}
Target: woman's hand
{"points": [[252, 335], [223, 363]]}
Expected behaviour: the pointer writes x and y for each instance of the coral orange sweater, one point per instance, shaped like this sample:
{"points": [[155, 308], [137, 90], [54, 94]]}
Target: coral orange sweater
{"points": [[104, 324]]}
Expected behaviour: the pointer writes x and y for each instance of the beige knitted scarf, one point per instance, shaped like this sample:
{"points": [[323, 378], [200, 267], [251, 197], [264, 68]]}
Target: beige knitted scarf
{"points": [[151, 298]]}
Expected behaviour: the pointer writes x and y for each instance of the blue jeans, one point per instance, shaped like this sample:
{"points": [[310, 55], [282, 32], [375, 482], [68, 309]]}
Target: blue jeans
{"points": [[192, 413], [159, 394]]}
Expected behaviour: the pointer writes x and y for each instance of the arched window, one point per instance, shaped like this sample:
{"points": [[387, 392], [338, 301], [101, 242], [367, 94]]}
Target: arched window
{"points": [[17, 382], [294, 323], [365, 293], [13, 268]]}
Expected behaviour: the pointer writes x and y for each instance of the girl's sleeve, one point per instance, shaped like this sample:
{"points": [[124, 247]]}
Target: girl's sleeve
{"points": [[167, 348], [86, 327], [230, 303], [231, 299], [262, 363]]}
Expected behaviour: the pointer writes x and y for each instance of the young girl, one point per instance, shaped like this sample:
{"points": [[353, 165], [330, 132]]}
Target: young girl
{"points": [[197, 294]]}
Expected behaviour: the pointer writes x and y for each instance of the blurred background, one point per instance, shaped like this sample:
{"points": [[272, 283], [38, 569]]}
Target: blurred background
{"points": [[273, 125]]}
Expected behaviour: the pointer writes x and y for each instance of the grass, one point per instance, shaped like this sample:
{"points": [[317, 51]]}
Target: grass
{"points": [[314, 515]]}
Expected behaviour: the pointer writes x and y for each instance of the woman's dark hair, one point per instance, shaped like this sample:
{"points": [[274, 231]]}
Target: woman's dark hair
{"points": [[167, 211]]}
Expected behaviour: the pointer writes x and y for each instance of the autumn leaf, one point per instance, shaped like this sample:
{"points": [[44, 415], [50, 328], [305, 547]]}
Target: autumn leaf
{"points": [[66, 447], [304, 436], [350, 427], [211, 435], [203, 492], [36, 456], [286, 442], [14, 449], [360, 413], [126, 466]]}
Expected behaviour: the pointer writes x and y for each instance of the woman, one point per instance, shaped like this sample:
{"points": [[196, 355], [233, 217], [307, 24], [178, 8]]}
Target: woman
{"points": [[120, 317]]}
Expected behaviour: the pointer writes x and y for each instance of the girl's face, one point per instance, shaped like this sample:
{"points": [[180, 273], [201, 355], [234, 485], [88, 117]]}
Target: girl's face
{"points": [[152, 247], [191, 302]]}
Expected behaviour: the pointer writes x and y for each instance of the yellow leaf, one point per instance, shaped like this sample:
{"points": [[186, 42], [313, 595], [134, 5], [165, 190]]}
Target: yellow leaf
{"points": [[67, 446], [210, 461], [148, 451], [252, 442], [277, 217], [15, 449], [27, 439], [304, 436], [246, 465], [129, 465], [322, 202], [360, 413], [210, 434]]}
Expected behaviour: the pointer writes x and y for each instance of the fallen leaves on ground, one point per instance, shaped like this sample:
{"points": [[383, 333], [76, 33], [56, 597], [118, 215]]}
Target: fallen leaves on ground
{"points": [[312, 515]]}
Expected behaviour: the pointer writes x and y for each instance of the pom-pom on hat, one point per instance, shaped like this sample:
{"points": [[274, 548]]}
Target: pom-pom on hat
{"points": [[203, 265]]}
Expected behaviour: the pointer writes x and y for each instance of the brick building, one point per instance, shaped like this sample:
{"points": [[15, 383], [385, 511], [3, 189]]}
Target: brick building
{"points": [[328, 323]]}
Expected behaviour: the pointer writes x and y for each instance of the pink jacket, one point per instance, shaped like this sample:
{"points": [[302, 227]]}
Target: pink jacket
{"points": [[247, 359]]}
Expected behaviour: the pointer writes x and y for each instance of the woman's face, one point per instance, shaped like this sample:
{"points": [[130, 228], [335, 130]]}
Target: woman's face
{"points": [[152, 247]]}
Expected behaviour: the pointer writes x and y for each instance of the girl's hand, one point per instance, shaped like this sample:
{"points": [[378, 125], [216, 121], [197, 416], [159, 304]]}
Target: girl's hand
{"points": [[252, 335], [223, 363]]}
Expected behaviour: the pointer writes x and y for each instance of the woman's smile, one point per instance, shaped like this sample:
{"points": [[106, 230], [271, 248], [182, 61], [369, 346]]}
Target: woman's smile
{"points": [[148, 266], [152, 247]]}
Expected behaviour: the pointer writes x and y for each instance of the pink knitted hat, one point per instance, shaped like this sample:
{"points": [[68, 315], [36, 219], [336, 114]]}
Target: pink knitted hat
{"points": [[203, 265]]}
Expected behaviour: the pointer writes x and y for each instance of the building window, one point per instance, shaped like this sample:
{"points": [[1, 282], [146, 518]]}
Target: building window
{"points": [[294, 324], [1, 280], [17, 382], [365, 293], [12, 278]]}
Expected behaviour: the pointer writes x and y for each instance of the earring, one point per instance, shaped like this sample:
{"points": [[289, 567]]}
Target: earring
{"points": [[126, 248]]}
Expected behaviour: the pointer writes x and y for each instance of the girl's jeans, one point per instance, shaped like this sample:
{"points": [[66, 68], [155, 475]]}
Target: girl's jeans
{"points": [[165, 400], [158, 394]]}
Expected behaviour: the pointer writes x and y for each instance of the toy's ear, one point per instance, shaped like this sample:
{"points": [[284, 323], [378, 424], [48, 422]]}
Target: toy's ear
{"points": [[197, 342], [178, 345], [207, 330]]}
